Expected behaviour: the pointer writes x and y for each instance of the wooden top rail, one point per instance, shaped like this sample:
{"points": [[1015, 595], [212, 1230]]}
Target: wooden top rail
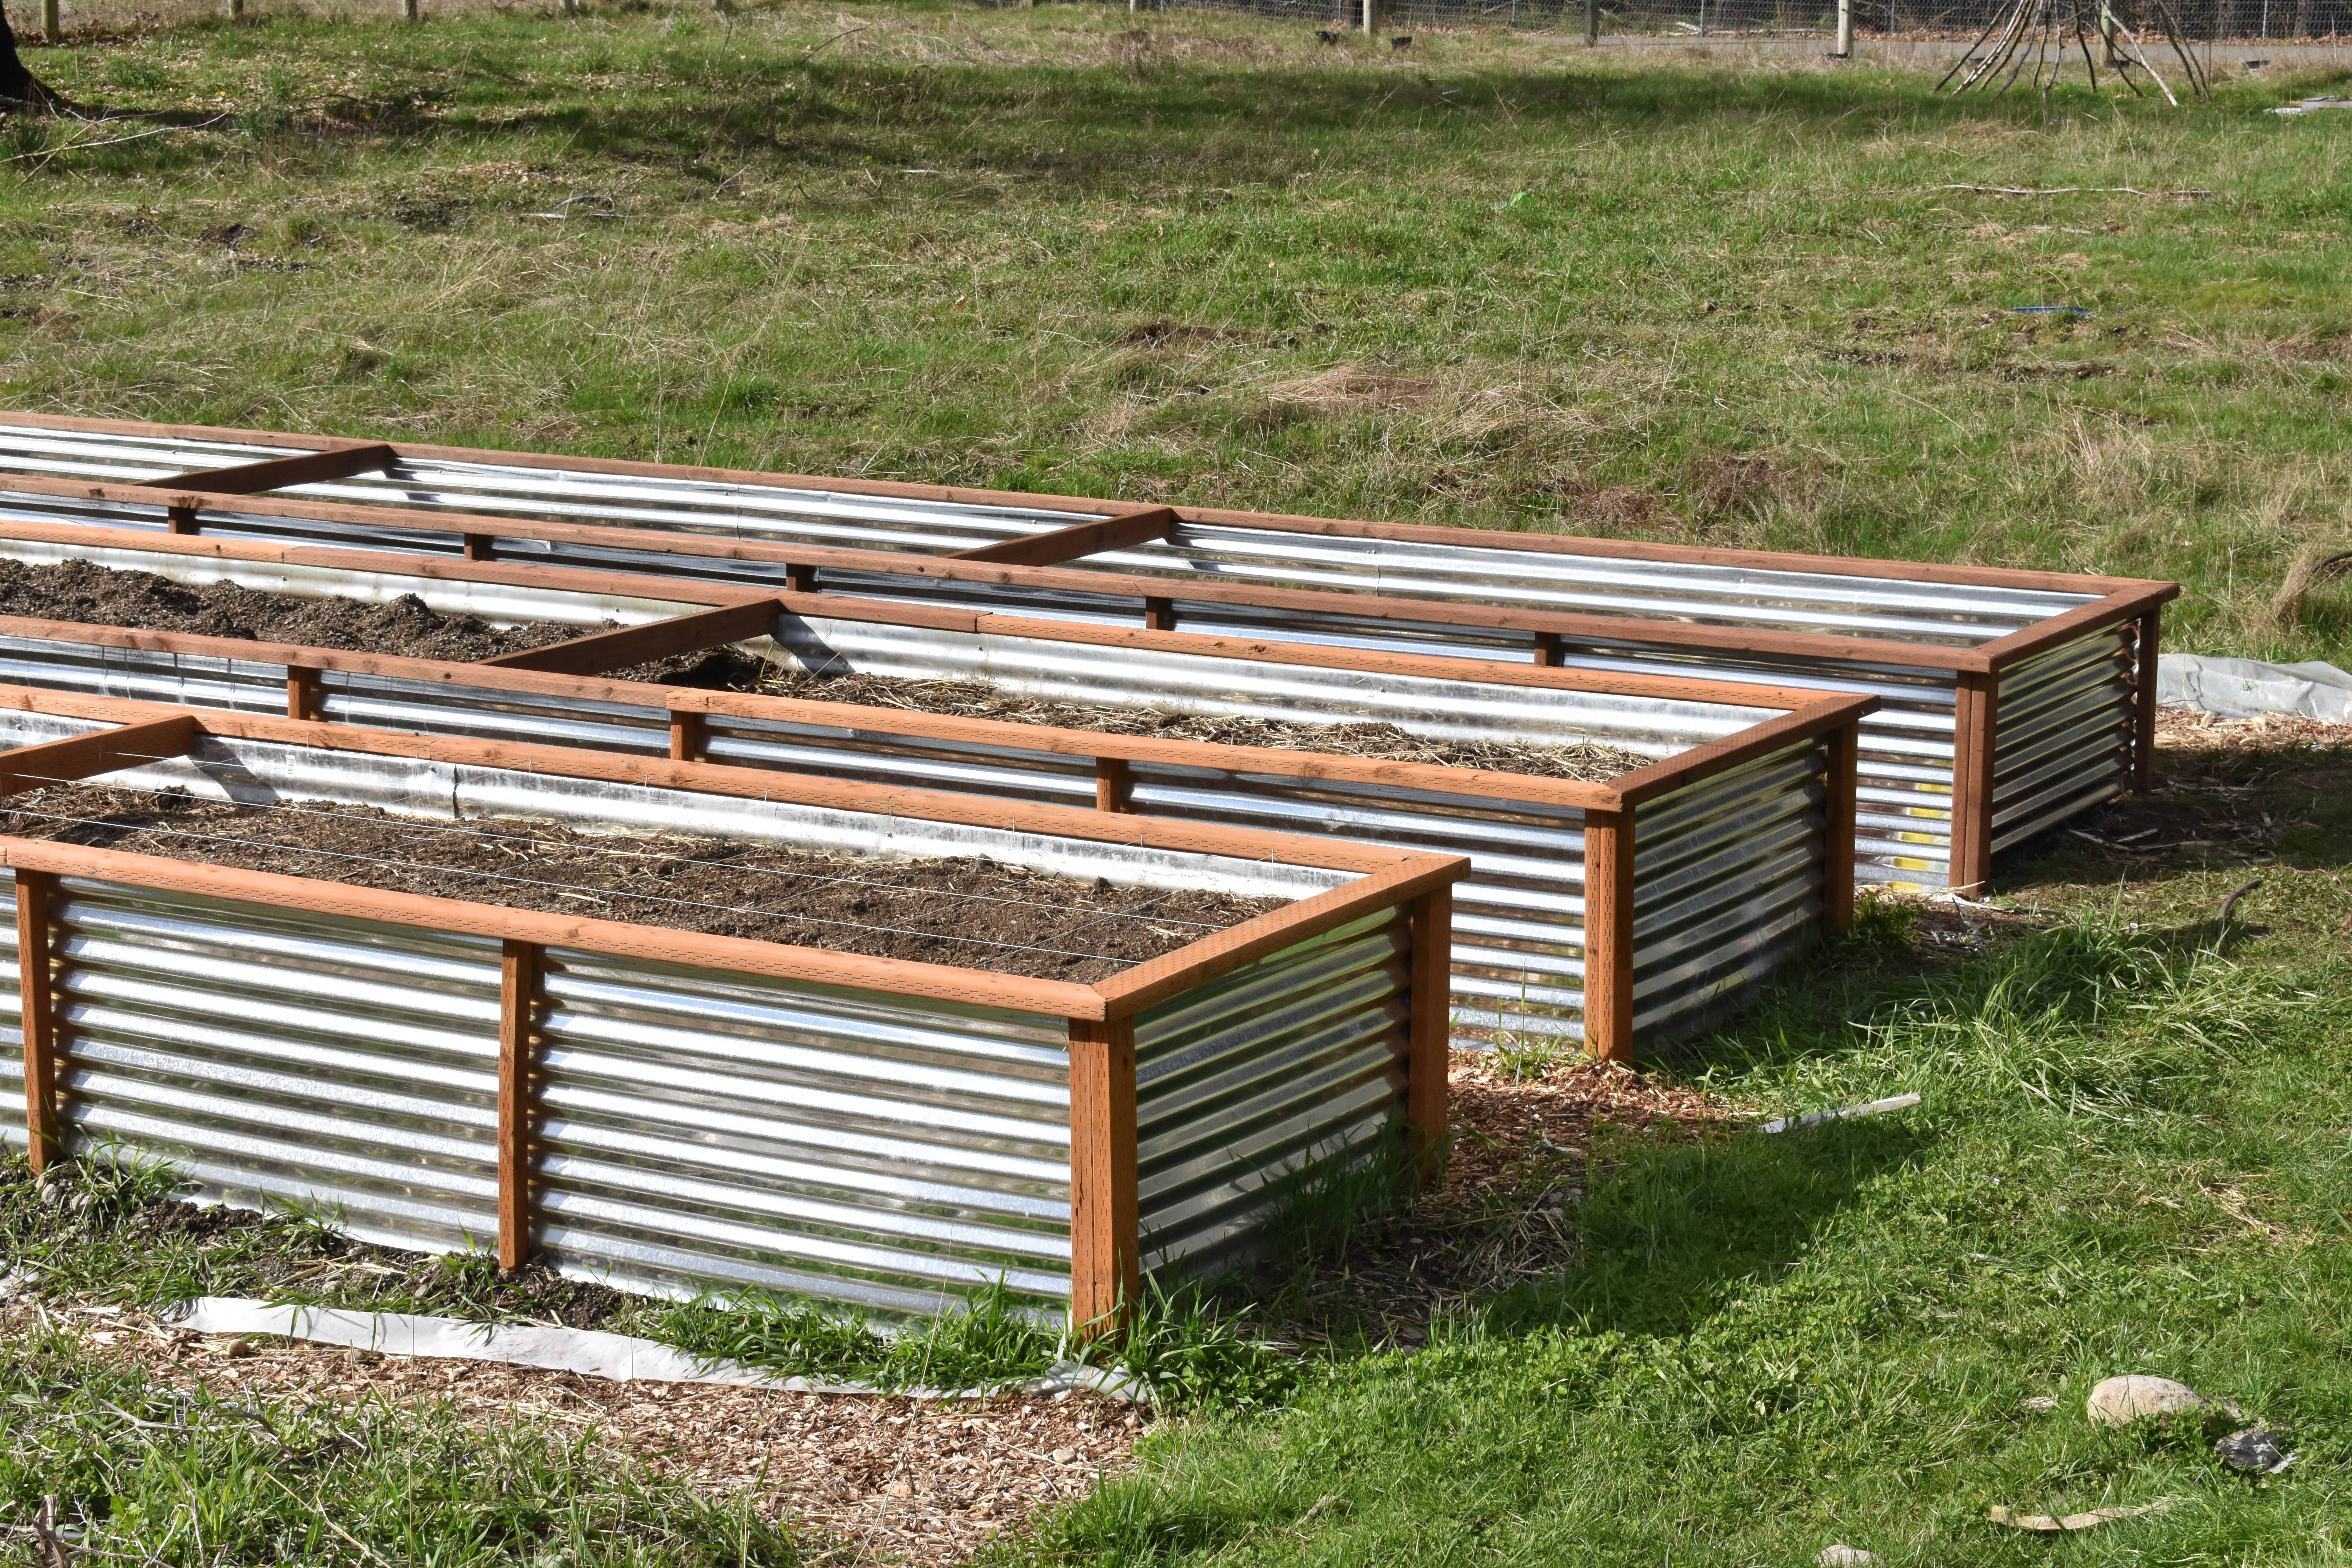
{"points": [[627, 645], [2027, 641], [1122, 532], [1817, 714], [1629, 630], [1567, 545], [337, 462]]}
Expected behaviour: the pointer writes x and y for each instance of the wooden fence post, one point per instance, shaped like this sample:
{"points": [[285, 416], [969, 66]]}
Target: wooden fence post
{"points": [[36, 992], [1429, 1031], [302, 693], [1591, 23], [1837, 828], [52, 25], [1845, 30], [519, 970], [690, 736], [2143, 752], [1609, 934], [1105, 1270], [1114, 784], [1372, 17], [1974, 708]]}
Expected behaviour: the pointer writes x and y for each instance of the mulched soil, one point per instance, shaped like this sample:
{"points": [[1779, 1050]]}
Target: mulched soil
{"points": [[1384, 743], [1525, 1154], [407, 626], [969, 911], [886, 1478]]}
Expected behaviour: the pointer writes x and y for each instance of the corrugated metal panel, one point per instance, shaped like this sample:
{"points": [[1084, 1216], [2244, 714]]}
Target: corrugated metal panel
{"points": [[1297, 1057], [285, 1059], [1727, 884], [879, 1151], [2063, 735]]}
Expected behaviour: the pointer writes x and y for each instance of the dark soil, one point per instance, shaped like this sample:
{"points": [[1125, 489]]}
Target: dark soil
{"points": [[1384, 743], [973, 912], [77, 591]]}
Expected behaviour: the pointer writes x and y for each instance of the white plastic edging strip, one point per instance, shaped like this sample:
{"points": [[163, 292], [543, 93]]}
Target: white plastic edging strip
{"points": [[618, 1358], [1814, 1119]]}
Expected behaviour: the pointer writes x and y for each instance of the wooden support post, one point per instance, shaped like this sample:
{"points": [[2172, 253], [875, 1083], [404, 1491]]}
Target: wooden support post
{"points": [[2143, 749], [52, 26], [690, 736], [1547, 650], [301, 693], [1159, 615], [408, 10], [481, 547], [37, 993], [1372, 17], [1845, 30], [1845, 747], [1591, 23], [236, 10], [1973, 714], [1429, 1029], [1609, 934], [1105, 1227], [1114, 783], [179, 519], [800, 579], [518, 1025]]}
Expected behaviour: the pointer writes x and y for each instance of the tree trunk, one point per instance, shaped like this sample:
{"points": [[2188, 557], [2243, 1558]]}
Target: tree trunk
{"points": [[18, 85]]}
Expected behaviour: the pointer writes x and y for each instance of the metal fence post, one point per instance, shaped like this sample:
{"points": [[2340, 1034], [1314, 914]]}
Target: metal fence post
{"points": [[1372, 17], [1845, 30]]}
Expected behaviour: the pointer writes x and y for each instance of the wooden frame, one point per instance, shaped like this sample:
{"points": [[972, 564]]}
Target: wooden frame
{"points": [[1106, 1242], [1031, 563]]}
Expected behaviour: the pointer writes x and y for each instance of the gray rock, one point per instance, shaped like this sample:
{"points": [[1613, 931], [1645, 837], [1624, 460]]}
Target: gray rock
{"points": [[2257, 1450], [1843, 1556], [2120, 1401]]}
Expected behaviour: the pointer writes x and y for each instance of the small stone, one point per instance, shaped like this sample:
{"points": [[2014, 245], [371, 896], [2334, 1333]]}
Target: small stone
{"points": [[238, 1349], [1066, 1456], [2120, 1401], [2039, 1404], [2257, 1450], [1843, 1556]]}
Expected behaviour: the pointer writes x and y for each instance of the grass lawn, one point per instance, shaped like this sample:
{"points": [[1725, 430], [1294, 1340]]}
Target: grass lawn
{"points": [[1490, 282]]}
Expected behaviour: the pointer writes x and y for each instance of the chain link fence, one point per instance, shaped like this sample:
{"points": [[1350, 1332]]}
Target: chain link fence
{"points": [[2234, 21]]}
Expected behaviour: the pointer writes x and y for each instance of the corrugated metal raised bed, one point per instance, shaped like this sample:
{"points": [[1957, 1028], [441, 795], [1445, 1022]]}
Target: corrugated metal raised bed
{"points": [[2010, 700], [1627, 913], [665, 1108]]}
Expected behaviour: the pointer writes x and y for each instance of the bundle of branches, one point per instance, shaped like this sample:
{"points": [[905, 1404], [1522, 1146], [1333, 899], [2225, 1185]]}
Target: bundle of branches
{"points": [[2039, 33]]}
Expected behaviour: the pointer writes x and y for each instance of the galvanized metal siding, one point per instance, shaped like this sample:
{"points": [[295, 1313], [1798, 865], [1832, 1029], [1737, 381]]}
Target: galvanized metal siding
{"points": [[1728, 884], [2063, 735], [286, 1059], [1249, 1078], [885, 1152]]}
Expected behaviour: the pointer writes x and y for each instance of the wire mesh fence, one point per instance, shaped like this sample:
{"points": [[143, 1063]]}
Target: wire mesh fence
{"points": [[2236, 21]]}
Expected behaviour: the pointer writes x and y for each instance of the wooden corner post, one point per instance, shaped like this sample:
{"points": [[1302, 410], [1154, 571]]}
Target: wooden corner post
{"points": [[38, 992], [1106, 1272], [2142, 751], [519, 969], [1429, 1029], [1975, 708], [1609, 934], [1845, 746]]}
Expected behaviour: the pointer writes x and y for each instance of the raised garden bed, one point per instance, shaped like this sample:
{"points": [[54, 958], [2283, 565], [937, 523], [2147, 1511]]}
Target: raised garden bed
{"points": [[1720, 848], [2010, 700], [668, 1109]]}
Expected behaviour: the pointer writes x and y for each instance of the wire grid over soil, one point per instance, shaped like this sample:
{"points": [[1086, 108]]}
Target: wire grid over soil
{"points": [[974, 912], [871, 1478], [1383, 742], [145, 601]]}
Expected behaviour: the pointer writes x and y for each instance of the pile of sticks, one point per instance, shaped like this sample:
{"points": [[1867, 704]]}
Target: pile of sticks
{"points": [[2038, 33]]}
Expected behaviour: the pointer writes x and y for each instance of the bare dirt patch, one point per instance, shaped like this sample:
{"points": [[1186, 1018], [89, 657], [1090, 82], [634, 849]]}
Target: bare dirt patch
{"points": [[98, 595], [970, 911], [1385, 742]]}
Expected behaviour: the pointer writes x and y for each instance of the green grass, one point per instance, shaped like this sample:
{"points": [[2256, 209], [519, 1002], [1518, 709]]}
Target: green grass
{"points": [[143, 1472], [1494, 281]]}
